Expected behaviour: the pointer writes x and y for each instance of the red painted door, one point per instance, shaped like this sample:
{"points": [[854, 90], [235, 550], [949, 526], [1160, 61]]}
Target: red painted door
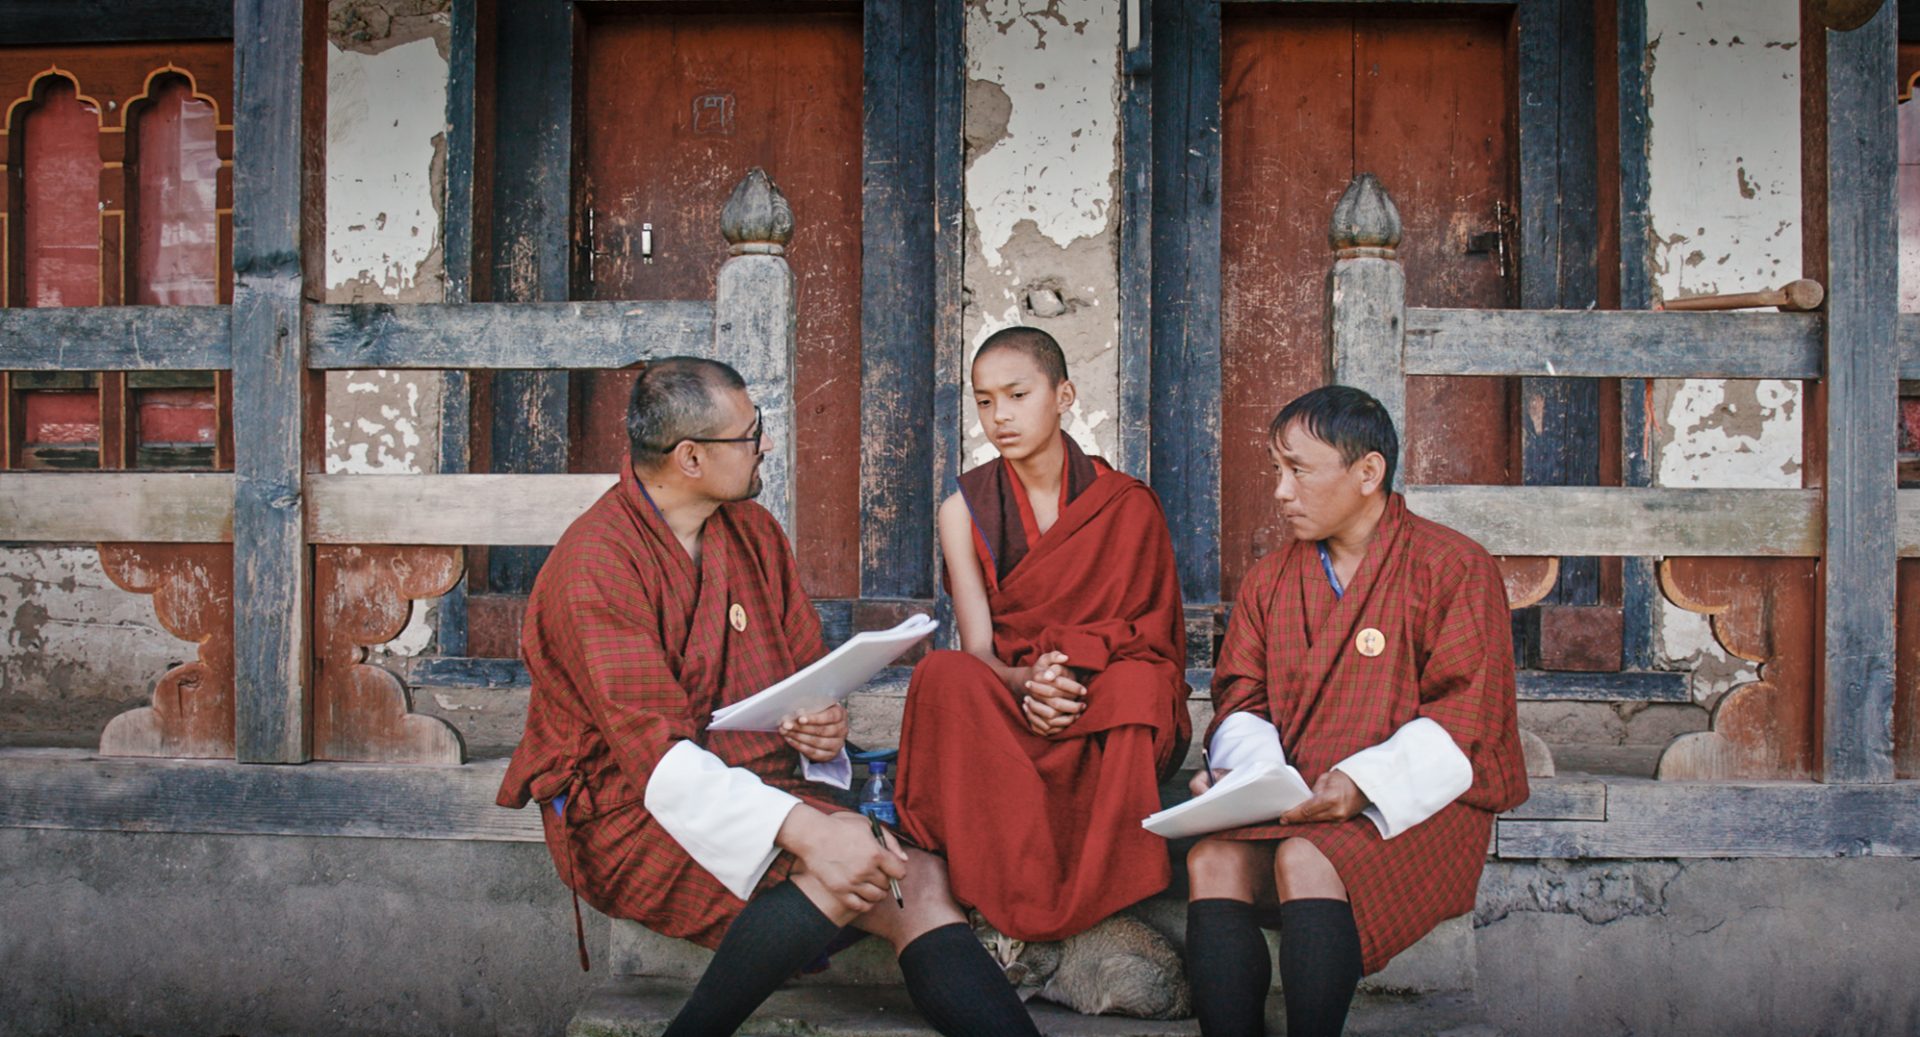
{"points": [[677, 106], [1308, 101]]}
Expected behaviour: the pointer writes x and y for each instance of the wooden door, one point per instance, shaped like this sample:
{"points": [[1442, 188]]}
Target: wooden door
{"points": [[1423, 102], [676, 107]]}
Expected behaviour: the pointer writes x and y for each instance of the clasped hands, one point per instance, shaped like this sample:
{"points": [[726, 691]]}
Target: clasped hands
{"points": [[1335, 798], [1052, 699]]}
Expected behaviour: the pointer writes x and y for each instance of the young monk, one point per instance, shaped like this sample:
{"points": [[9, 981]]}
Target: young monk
{"points": [[672, 596], [1029, 757], [1373, 652]]}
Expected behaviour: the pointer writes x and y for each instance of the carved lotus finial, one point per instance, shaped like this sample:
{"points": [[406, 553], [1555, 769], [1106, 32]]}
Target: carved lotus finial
{"points": [[757, 218], [1365, 222]]}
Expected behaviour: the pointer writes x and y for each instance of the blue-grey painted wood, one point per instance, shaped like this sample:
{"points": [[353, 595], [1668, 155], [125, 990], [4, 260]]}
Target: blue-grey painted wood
{"points": [[456, 388], [41, 22], [1185, 320], [1623, 686], [543, 336], [117, 338], [1861, 411], [949, 331], [897, 301], [1609, 344], [272, 44], [532, 226], [1909, 333], [1639, 588], [1647, 818], [1135, 403]]}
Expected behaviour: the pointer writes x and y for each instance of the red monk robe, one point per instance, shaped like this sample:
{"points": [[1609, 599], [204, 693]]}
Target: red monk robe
{"points": [[1042, 834], [1290, 657], [631, 649]]}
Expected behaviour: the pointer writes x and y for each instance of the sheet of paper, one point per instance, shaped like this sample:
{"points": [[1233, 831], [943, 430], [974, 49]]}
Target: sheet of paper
{"points": [[1247, 795], [830, 679]]}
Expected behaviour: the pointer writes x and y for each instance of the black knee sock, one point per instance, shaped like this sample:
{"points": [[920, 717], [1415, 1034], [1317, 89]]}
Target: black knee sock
{"points": [[776, 933], [958, 988], [1319, 965], [1227, 966]]}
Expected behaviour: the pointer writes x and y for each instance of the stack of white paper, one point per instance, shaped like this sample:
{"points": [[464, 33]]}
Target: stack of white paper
{"points": [[1244, 796], [830, 679]]}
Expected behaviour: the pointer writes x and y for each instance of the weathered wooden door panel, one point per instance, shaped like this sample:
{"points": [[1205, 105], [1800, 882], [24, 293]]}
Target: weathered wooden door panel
{"points": [[1426, 104], [676, 107]]}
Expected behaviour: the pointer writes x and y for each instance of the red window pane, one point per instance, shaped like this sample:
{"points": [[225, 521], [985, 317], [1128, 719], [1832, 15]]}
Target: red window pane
{"points": [[60, 211], [178, 259]]}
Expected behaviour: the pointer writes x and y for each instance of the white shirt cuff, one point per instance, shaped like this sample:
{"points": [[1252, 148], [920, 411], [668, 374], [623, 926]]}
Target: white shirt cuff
{"points": [[725, 817], [1244, 739], [837, 772], [1410, 776]]}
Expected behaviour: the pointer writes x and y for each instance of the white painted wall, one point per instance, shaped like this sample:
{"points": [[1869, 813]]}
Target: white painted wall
{"points": [[1724, 167], [1042, 191]]}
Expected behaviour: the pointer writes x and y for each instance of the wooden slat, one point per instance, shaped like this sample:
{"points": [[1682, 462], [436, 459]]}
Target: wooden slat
{"points": [[1625, 686], [1639, 590], [114, 21], [1135, 398], [1632, 521], [1601, 344], [1684, 819], [72, 789], [515, 336], [279, 94], [950, 78], [1562, 800], [81, 507], [448, 509], [116, 338]]}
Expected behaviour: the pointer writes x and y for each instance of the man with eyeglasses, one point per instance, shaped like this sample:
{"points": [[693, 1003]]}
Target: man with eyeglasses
{"points": [[673, 596]]}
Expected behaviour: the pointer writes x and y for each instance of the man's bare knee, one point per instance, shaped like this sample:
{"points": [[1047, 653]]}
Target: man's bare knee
{"points": [[1223, 869], [929, 903], [1302, 872]]}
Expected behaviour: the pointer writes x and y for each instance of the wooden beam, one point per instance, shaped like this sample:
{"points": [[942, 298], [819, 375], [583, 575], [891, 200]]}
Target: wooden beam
{"points": [[448, 509], [91, 507], [1610, 344], [1620, 686], [949, 284], [1133, 449], [72, 789], [554, 336], [1606, 520], [897, 301], [1185, 373], [279, 88], [1646, 818], [116, 338], [1639, 589], [1557, 799], [1856, 676], [39, 23]]}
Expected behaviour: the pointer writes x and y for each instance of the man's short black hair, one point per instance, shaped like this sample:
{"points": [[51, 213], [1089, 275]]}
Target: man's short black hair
{"points": [[1033, 343], [1347, 419], [674, 399]]}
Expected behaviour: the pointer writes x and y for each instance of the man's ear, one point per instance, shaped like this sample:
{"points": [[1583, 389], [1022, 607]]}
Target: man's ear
{"points": [[685, 459], [1064, 394], [1373, 469]]}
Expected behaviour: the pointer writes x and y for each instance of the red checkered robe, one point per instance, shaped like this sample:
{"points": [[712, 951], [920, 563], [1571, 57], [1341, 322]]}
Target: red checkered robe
{"points": [[1043, 835], [630, 650], [1289, 656]]}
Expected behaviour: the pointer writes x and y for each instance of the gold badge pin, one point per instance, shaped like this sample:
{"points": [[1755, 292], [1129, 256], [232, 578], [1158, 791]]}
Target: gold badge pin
{"points": [[737, 616], [1371, 642]]}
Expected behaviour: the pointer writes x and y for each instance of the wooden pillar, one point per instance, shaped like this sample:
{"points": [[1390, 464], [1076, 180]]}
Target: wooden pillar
{"points": [[1367, 308], [1860, 396], [753, 321], [280, 110]]}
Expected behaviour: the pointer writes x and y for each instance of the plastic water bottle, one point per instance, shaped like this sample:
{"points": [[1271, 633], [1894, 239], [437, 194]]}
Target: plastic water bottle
{"points": [[876, 796]]}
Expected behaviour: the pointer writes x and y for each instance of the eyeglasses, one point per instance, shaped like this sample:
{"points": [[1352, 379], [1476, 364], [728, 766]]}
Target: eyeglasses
{"points": [[755, 432]]}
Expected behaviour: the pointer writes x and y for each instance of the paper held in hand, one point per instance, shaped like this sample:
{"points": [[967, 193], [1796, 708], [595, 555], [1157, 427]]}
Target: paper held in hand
{"points": [[830, 679], [1247, 795]]}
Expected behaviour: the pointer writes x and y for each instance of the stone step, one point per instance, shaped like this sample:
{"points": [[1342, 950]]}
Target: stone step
{"points": [[1444, 962], [642, 1007]]}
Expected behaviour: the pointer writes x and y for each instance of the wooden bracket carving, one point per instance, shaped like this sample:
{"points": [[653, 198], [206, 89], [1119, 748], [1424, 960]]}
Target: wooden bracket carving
{"points": [[1764, 610], [192, 710], [363, 596]]}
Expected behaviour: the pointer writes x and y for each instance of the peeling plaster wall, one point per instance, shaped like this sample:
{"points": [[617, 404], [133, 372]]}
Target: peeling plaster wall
{"points": [[1724, 166], [1042, 192]]}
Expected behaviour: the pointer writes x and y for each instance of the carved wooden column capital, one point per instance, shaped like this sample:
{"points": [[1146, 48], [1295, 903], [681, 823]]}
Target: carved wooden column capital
{"points": [[1366, 223], [757, 220]]}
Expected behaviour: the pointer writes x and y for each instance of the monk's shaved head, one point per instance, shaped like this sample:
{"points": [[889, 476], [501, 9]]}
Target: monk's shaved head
{"points": [[1032, 343], [1347, 419], [675, 398]]}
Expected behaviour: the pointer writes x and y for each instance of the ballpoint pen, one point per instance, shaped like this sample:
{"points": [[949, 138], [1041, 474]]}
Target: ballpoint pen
{"points": [[880, 836], [1207, 762]]}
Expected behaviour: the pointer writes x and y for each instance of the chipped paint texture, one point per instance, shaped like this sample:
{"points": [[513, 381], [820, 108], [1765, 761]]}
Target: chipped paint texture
{"points": [[1724, 167], [74, 649], [1042, 191]]}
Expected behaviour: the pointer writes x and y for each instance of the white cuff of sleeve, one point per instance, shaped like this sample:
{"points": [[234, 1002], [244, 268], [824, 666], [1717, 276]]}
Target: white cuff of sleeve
{"points": [[1245, 739], [837, 772], [1410, 776], [724, 817]]}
